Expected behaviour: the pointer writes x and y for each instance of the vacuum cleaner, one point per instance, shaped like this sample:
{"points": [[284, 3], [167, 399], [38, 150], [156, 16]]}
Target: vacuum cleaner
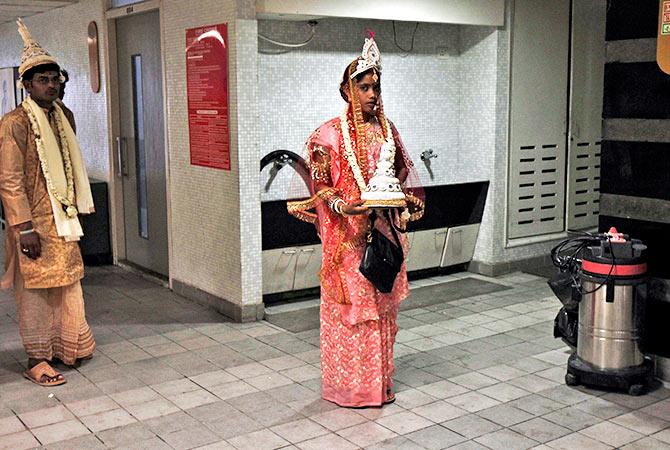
{"points": [[601, 282]]}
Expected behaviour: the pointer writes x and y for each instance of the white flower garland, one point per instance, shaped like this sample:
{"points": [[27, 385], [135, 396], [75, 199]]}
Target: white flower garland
{"points": [[349, 151], [68, 199]]}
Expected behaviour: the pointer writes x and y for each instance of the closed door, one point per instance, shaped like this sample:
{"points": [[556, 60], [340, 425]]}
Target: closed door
{"points": [[141, 144], [538, 117]]}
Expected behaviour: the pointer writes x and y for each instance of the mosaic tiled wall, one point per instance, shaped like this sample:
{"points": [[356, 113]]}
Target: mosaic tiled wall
{"points": [[66, 41], [441, 95], [210, 224]]}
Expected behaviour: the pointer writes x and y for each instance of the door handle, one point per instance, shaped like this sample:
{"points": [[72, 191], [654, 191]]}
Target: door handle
{"points": [[301, 263], [121, 157], [289, 252]]}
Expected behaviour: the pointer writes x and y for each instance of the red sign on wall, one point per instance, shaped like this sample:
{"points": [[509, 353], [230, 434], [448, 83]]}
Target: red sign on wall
{"points": [[207, 93]]}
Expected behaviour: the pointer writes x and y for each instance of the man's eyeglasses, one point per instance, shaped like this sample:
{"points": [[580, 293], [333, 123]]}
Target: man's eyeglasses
{"points": [[45, 80]]}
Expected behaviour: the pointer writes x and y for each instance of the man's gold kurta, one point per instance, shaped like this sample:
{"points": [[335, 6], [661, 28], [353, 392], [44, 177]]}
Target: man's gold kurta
{"points": [[50, 302], [25, 198]]}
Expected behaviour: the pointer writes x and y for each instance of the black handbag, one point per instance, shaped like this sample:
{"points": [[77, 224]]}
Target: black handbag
{"points": [[382, 258]]}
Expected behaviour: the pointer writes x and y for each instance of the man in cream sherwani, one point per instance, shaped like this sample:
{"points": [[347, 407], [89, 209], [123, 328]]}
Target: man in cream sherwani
{"points": [[44, 186]]}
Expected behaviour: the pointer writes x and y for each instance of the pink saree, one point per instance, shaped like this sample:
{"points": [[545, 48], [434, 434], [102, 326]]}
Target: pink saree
{"points": [[358, 323]]}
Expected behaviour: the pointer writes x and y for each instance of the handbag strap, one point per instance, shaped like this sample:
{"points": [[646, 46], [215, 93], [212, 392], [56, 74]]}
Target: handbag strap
{"points": [[392, 226], [373, 218]]}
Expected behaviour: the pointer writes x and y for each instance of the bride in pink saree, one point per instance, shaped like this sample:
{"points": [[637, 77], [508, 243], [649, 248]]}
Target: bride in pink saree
{"points": [[358, 323]]}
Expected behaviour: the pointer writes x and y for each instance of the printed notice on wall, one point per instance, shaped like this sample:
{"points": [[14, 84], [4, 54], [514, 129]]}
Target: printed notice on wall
{"points": [[665, 18], [207, 93]]}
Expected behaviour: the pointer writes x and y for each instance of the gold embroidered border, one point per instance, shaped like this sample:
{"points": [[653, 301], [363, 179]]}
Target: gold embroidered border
{"points": [[385, 203], [300, 209], [418, 204], [354, 243]]}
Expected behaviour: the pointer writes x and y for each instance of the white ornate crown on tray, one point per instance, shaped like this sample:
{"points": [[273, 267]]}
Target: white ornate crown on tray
{"points": [[383, 189]]}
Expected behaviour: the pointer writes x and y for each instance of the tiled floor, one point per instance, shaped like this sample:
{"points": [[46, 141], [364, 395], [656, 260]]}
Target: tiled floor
{"points": [[476, 372]]}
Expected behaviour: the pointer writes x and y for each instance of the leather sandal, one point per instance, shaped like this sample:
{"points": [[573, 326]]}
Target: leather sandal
{"points": [[38, 371]]}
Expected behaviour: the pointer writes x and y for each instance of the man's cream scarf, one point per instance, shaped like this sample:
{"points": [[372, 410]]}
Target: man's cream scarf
{"points": [[51, 161]]}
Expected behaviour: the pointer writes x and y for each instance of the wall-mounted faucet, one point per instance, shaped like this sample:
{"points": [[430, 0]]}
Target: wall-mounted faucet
{"points": [[426, 156], [277, 165], [281, 158]]}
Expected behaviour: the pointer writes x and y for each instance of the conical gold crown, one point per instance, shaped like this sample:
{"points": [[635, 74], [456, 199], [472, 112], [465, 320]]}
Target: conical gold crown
{"points": [[33, 54]]}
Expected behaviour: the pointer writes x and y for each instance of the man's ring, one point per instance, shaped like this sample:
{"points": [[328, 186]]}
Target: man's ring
{"points": [[24, 250]]}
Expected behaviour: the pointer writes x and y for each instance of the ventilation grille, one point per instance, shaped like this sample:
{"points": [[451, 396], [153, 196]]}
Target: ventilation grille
{"points": [[536, 201], [584, 185]]}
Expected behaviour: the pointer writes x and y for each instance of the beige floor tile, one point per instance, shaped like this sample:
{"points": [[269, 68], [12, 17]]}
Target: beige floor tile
{"points": [[269, 381], [503, 392], [299, 430], [10, 425], [263, 439], [151, 409], [60, 431], [46, 416], [641, 422], [443, 389], [329, 441], [647, 443], [439, 411], [232, 390], [18, 441], [405, 422], [338, 419], [411, 398], [505, 439], [135, 396], [92, 406], [473, 380], [215, 378], [107, 419], [188, 400], [577, 441], [611, 434], [249, 370], [663, 436], [473, 401], [366, 434]]}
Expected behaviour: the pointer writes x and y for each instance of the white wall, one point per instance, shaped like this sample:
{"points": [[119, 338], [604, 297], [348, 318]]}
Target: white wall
{"points": [[215, 213], [63, 33], [441, 96]]}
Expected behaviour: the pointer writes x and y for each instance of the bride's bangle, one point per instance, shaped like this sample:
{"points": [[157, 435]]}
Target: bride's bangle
{"points": [[337, 206]]}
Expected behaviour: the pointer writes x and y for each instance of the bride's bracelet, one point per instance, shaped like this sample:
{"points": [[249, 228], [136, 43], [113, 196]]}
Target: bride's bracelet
{"points": [[337, 205], [334, 201]]}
